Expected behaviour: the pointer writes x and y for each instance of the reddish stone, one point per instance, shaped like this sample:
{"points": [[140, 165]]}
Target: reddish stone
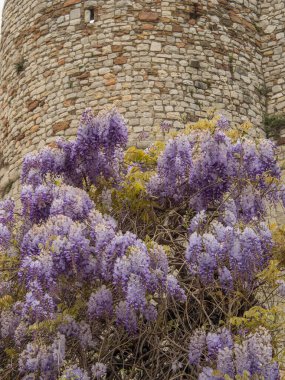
{"points": [[80, 75], [121, 60], [117, 48], [71, 2], [148, 16], [148, 27], [60, 126], [69, 102], [177, 28], [36, 36], [12, 92], [281, 141], [109, 76], [110, 79], [53, 145], [20, 137], [235, 17], [32, 105], [84, 75], [34, 129], [111, 82]]}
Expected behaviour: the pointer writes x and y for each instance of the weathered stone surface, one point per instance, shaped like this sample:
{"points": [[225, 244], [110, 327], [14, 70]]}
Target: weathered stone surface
{"points": [[75, 14], [148, 16], [195, 64], [155, 46], [148, 27], [69, 102], [121, 60], [156, 60], [34, 129], [117, 48], [32, 105], [281, 141], [60, 126], [68, 3]]}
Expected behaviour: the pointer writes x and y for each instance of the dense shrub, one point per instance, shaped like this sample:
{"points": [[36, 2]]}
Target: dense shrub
{"points": [[141, 264]]}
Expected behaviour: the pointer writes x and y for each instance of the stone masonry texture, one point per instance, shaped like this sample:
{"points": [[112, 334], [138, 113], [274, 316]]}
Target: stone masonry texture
{"points": [[155, 59]]}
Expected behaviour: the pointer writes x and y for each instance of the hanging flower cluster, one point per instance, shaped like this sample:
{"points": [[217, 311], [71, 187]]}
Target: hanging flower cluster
{"points": [[216, 354], [204, 167], [229, 256], [96, 153]]}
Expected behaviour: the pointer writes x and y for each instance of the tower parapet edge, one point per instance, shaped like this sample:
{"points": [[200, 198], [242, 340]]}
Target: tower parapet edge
{"points": [[157, 60]]}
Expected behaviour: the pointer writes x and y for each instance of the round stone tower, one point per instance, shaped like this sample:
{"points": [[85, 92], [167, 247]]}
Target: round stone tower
{"points": [[155, 59]]}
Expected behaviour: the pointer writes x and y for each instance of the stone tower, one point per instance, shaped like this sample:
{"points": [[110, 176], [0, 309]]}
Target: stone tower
{"points": [[156, 59]]}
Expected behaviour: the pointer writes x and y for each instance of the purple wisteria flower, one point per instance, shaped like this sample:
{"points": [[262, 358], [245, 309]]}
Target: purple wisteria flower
{"points": [[42, 359], [202, 167], [223, 122], [9, 321], [126, 317], [229, 256], [253, 355], [5, 235], [197, 346], [136, 293], [72, 202], [281, 287], [61, 245], [74, 373], [38, 304], [174, 289], [165, 126], [99, 370], [100, 303], [40, 198], [72, 284], [78, 242], [7, 209]]}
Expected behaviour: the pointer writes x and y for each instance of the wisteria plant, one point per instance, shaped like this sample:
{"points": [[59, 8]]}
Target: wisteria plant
{"points": [[142, 264]]}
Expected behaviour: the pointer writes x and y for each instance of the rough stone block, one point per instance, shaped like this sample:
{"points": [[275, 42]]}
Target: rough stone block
{"points": [[148, 16], [155, 46], [60, 126]]}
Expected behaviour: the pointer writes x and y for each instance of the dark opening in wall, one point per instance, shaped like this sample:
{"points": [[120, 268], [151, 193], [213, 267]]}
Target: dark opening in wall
{"points": [[195, 12], [91, 15]]}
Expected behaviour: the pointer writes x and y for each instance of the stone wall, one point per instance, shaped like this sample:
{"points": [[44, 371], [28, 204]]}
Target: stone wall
{"points": [[156, 59], [272, 21]]}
